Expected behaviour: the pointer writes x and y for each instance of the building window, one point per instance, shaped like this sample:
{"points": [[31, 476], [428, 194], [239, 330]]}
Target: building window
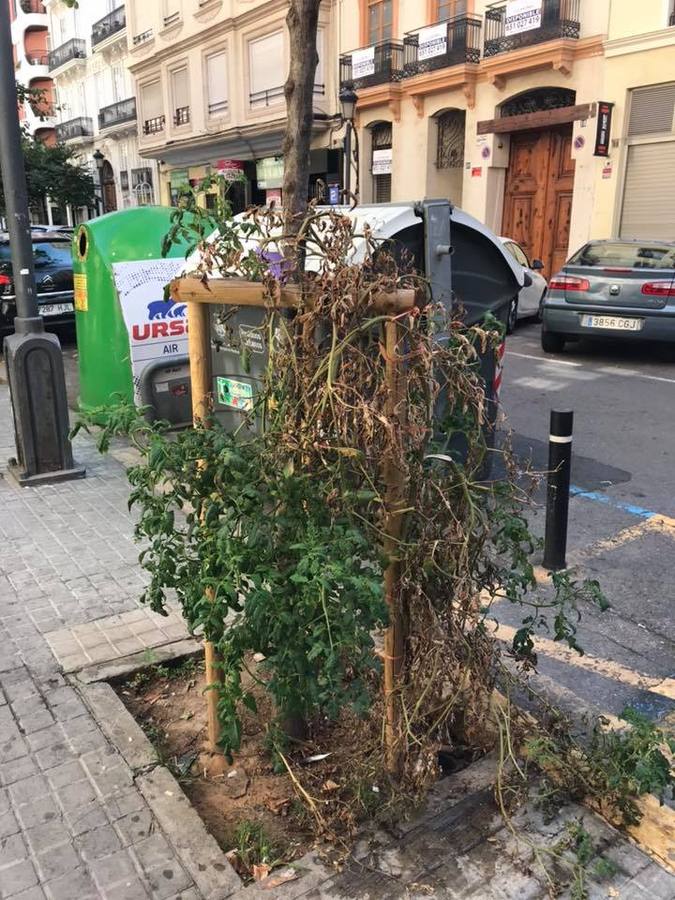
{"points": [[180, 96], [380, 20], [171, 12], [449, 9], [152, 108], [381, 143], [216, 83], [141, 185], [124, 179], [266, 68], [450, 147]]}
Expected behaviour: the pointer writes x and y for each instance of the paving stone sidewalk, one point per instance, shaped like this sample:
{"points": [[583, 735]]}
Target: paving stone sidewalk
{"points": [[73, 822]]}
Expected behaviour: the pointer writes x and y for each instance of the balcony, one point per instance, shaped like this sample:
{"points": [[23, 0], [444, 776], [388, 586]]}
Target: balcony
{"points": [[73, 49], [270, 97], [450, 43], [154, 125], [113, 23], [117, 113], [369, 66], [558, 19], [74, 128], [182, 116]]}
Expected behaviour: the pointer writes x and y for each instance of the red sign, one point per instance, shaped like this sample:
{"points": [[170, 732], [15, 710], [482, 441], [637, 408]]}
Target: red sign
{"points": [[231, 169], [477, 172], [273, 195]]}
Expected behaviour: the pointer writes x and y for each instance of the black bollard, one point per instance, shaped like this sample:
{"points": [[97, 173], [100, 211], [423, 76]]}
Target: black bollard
{"points": [[558, 489]]}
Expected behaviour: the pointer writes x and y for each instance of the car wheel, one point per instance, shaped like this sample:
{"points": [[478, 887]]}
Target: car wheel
{"points": [[540, 311], [512, 318], [552, 342]]}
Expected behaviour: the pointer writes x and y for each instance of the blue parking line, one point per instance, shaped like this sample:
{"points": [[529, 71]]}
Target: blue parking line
{"points": [[610, 501]]}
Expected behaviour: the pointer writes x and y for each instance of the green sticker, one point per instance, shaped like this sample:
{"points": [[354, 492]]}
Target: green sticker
{"points": [[237, 394]]}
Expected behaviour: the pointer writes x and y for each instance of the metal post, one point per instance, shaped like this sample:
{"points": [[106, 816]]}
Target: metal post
{"points": [[558, 489], [348, 159], [33, 357]]}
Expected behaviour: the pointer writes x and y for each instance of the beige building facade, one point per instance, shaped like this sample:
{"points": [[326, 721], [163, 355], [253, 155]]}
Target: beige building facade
{"points": [[209, 85], [497, 107]]}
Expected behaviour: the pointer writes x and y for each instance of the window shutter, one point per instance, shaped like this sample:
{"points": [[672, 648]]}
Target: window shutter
{"points": [[180, 88], [649, 197], [266, 62], [151, 100], [216, 81], [319, 82], [652, 110]]}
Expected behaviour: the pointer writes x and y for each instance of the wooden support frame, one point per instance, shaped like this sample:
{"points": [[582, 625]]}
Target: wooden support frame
{"points": [[198, 293]]}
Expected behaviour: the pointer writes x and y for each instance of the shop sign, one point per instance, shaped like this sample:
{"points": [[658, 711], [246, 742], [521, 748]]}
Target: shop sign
{"points": [[432, 41], [603, 129], [333, 194], [269, 172], [273, 196], [363, 62], [382, 161], [178, 178], [230, 169], [522, 15], [607, 171]]}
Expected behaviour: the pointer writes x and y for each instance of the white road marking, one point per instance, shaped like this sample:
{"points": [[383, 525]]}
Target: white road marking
{"points": [[603, 370]]}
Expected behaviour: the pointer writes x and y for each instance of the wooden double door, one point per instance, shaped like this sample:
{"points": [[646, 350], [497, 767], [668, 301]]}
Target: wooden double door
{"points": [[538, 194]]}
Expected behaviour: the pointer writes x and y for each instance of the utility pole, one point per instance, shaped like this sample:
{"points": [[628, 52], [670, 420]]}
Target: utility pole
{"points": [[32, 356]]}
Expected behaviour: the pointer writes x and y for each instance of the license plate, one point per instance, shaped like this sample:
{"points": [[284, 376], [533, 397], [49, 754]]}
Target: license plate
{"points": [[614, 323], [55, 309]]}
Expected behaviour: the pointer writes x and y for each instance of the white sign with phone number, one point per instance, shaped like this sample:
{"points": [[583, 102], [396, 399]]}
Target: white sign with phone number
{"points": [[522, 15]]}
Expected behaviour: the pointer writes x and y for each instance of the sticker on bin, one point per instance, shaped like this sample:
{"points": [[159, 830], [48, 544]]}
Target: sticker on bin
{"points": [[236, 394]]}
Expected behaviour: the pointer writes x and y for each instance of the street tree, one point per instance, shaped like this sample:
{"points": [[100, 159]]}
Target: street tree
{"points": [[302, 20], [54, 173]]}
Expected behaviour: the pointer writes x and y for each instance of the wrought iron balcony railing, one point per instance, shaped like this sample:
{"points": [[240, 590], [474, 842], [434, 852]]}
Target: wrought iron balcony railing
{"points": [[117, 113], [557, 19], [152, 126], [378, 64], [75, 48], [112, 23], [74, 128], [142, 37], [270, 97], [182, 116], [445, 44]]}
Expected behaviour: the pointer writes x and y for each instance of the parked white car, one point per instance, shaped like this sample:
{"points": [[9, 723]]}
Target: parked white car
{"points": [[528, 302]]}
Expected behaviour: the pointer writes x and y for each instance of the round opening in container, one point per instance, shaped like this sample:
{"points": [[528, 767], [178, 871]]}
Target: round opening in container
{"points": [[82, 244]]}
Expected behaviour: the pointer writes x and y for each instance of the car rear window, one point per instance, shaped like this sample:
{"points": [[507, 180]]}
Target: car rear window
{"points": [[46, 255], [626, 254]]}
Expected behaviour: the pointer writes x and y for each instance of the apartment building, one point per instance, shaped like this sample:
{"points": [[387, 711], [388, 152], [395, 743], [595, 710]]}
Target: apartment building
{"points": [[96, 105], [29, 46], [499, 101], [209, 81], [635, 196]]}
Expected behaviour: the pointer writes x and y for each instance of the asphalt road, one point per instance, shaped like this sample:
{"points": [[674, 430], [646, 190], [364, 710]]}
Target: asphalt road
{"points": [[622, 520]]}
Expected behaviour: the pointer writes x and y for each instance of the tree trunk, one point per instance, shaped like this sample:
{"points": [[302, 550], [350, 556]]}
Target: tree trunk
{"points": [[302, 19]]}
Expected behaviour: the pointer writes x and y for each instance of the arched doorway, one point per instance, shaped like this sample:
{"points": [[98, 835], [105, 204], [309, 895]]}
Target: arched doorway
{"points": [[540, 176], [108, 186]]}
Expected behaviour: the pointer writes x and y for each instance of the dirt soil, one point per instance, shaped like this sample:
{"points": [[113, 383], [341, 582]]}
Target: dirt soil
{"points": [[169, 705]]}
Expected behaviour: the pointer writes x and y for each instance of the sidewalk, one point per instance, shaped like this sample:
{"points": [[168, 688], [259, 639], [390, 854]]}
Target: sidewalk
{"points": [[73, 821]]}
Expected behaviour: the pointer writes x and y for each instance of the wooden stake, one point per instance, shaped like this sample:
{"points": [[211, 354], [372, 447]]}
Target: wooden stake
{"points": [[199, 350], [394, 638]]}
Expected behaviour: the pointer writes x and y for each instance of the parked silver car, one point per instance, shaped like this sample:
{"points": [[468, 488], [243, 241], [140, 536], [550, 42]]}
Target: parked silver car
{"points": [[612, 288]]}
